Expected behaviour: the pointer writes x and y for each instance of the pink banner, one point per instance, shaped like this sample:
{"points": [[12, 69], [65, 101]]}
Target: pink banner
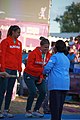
{"points": [[30, 32]]}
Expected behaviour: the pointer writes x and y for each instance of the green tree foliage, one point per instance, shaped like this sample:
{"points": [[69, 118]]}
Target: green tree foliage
{"points": [[70, 21]]}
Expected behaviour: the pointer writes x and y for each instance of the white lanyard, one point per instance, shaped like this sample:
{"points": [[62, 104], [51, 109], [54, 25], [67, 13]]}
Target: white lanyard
{"points": [[44, 59]]}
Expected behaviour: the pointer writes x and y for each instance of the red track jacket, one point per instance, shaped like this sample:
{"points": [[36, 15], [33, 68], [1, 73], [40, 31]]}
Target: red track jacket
{"points": [[11, 54], [0, 57], [34, 65]]}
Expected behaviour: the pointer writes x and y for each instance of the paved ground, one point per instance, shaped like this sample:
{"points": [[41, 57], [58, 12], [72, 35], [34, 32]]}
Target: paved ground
{"points": [[19, 104], [71, 110]]}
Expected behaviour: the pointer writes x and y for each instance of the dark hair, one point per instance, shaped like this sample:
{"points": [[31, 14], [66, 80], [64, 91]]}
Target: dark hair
{"points": [[44, 41], [60, 46], [29, 50], [24, 50], [12, 28], [78, 37], [0, 34], [67, 41]]}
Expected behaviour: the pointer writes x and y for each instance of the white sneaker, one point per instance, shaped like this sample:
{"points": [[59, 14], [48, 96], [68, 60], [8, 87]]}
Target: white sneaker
{"points": [[1, 115], [28, 113], [37, 114], [7, 114]]}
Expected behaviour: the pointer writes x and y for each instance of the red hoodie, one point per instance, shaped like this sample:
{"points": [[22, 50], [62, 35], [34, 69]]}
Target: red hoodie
{"points": [[34, 65], [11, 54], [0, 57]]}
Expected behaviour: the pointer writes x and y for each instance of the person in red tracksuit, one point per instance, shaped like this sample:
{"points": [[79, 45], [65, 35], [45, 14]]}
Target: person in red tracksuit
{"points": [[11, 61], [2, 74], [34, 78], [0, 50]]}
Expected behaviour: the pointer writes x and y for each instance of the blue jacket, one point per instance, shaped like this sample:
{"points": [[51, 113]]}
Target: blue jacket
{"points": [[57, 69], [71, 57]]}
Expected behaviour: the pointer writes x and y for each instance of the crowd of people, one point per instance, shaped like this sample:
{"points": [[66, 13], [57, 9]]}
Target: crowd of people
{"points": [[73, 53], [44, 71]]}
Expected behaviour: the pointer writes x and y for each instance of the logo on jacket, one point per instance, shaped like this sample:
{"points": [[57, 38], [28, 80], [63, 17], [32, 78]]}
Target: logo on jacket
{"points": [[14, 46]]}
